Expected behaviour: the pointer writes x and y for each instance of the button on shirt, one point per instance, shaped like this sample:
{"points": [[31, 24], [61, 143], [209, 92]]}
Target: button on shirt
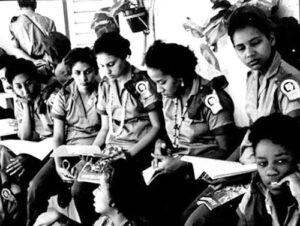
{"points": [[82, 124]]}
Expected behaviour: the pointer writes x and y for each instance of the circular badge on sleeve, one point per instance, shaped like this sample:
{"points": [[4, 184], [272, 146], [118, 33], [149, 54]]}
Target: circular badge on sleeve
{"points": [[213, 103], [142, 87], [291, 89], [6, 194]]}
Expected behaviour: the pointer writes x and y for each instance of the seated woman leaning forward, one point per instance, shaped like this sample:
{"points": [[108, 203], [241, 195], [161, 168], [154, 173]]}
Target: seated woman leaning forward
{"points": [[198, 118], [76, 121], [198, 113], [128, 102]]}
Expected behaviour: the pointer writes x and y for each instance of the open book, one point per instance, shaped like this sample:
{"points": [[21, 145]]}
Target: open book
{"points": [[216, 169], [38, 149]]}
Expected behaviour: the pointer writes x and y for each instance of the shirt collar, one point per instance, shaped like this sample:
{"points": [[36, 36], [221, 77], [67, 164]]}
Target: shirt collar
{"points": [[75, 93], [125, 77]]}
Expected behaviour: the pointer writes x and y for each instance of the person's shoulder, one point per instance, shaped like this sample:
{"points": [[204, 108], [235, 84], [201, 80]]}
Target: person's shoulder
{"points": [[14, 19], [43, 19], [286, 68], [68, 88], [214, 96], [288, 81], [18, 20]]}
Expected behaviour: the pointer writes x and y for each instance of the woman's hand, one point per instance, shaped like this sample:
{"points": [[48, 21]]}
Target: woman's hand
{"points": [[62, 169], [161, 154], [24, 100], [293, 182], [18, 165]]}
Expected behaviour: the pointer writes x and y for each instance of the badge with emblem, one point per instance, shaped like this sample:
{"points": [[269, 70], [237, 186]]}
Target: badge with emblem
{"points": [[142, 87], [213, 103], [291, 89], [7, 195]]}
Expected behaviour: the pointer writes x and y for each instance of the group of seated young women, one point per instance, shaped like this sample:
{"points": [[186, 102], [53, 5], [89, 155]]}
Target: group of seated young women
{"points": [[167, 109]]}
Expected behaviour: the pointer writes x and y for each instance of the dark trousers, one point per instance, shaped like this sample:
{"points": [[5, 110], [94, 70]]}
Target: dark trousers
{"points": [[48, 183]]}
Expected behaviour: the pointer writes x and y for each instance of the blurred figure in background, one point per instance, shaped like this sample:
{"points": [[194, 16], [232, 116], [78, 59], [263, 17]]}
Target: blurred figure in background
{"points": [[28, 30]]}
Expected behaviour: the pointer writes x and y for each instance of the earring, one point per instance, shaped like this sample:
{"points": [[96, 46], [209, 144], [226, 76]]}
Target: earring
{"points": [[112, 204], [182, 83]]}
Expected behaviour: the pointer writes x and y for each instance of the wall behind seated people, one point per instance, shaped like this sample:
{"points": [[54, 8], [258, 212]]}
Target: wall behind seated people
{"points": [[52, 9]]}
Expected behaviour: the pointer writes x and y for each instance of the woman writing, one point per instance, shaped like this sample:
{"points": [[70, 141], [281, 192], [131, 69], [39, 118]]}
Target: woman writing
{"points": [[198, 113]]}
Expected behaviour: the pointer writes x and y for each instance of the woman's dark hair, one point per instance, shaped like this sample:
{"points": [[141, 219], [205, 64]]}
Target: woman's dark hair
{"points": [[114, 44], [21, 66], [172, 59], [6, 60], [126, 186], [249, 16], [27, 4], [280, 129], [84, 55]]}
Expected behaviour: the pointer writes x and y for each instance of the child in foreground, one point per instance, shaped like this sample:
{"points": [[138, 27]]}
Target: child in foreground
{"points": [[120, 197], [274, 195]]}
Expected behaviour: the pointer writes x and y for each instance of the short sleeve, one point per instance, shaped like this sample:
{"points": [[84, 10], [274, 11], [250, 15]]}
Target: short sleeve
{"points": [[287, 107], [289, 94], [59, 106], [219, 122], [144, 90], [103, 90]]}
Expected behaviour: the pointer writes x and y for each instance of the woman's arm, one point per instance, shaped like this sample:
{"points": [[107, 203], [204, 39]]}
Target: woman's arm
{"points": [[26, 128], [59, 139], [224, 147], [58, 133], [102, 134], [156, 122]]}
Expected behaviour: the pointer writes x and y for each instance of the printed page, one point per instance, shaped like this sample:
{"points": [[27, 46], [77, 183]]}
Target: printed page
{"points": [[216, 169]]}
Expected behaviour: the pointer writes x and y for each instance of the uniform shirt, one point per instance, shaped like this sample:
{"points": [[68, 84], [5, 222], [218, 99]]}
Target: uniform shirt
{"points": [[82, 125], [264, 95], [136, 121], [197, 135], [28, 36], [257, 204], [42, 122]]}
